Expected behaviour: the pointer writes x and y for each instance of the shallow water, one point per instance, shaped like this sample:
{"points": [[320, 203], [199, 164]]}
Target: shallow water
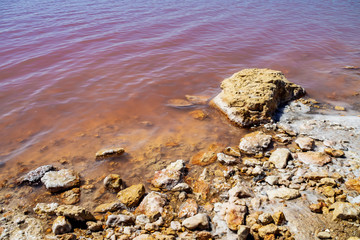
{"points": [[77, 76]]}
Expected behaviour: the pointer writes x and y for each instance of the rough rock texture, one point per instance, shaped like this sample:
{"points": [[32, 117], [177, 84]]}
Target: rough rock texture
{"points": [[199, 222], [254, 142], [107, 153], [170, 176], [280, 157], [46, 208], [226, 159], [131, 196], [119, 220], [234, 215], [314, 158], [152, 205], [61, 225], [305, 143], [74, 212], [34, 176], [63, 179], [345, 211], [251, 96], [283, 193], [71, 196], [109, 207], [113, 182], [188, 208]]}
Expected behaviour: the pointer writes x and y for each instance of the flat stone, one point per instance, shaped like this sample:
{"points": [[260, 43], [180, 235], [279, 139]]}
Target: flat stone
{"points": [[280, 157], [132, 195], [232, 152], [71, 196], [345, 211], [314, 158], [119, 220], [226, 159], [61, 225], [251, 162], [181, 187], [46, 208], [323, 235], [254, 142], [61, 180], [170, 176], [109, 207], [152, 205], [188, 209], [33, 177], [109, 152], [305, 143], [113, 182], [283, 193], [94, 226], [252, 96], [197, 222], [74, 212], [179, 103], [203, 158], [272, 180], [334, 153]]}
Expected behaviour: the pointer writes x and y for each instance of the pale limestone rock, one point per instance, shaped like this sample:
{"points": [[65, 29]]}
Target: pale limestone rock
{"points": [[113, 182], [305, 143], [254, 142], [152, 205], [74, 212], [226, 159], [314, 158], [46, 208], [109, 152], [61, 180], [109, 207], [61, 225], [34, 176], [119, 220], [283, 193], [345, 211], [170, 176], [198, 222], [280, 157]]}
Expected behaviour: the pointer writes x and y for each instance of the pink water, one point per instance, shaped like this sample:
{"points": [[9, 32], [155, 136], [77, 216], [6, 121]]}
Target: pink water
{"points": [[77, 76]]}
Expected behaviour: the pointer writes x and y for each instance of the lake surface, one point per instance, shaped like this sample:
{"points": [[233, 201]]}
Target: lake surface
{"points": [[78, 76]]}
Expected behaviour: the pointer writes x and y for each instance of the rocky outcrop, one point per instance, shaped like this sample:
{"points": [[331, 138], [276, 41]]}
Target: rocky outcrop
{"points": [[251, 96]]}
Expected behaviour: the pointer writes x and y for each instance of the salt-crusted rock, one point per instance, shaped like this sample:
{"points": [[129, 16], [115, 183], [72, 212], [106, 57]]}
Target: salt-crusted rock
{"points": [[71, 196], [34, 176], [74, 212], [131, 196], [46, 208], [254, 142], [170, 176], [265, 218], [199, 222], [234, 215], [324, 235], [314, 158], [226, 159], [94, 226], [251, 96], [345, 211], [109, 152], [109, 207], [197, 99], [305, 143], [61, 225], [188, 208], [141, 220], [280, 157], [119, 220], [251, 162], [63, 179], [283, 193], [181, 187], [113, 182], [238, 191], [152, 205], [175, 225]]}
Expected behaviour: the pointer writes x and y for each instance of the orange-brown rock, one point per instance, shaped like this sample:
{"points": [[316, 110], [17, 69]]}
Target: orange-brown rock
{"points": [[353, 184], [314, 158], [203, 158], [198, 114], [334, 153], [188, 209]]}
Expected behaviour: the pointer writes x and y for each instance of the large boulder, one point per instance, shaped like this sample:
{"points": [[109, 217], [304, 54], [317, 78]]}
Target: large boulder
{"points": [[251, 96]]}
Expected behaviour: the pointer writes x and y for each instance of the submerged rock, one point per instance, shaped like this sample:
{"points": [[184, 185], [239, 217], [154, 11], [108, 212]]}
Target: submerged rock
{"points": [[251, 96], [34, 176], [113, 182], [254, 142], [61, 180], [109, 152]]}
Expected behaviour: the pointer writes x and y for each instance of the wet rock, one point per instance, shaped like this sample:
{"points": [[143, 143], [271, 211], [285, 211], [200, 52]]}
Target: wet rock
{"points": [[314, 158], [226, 159], [131, 196], [109, 152], [232, 152], [152, 205], [283, 193], [71, 196], [280, 157], [272, 180], [119, 220], [188, 208], [33, 177], [279, 218], [94, 226], [46, 208], [252, 96], [345, 211], [323, 235], [305, 143], [254, 142], [203, 158], [179, 103], [113, 182], [195, 99], [267, 230], [74, 212], [353, 184], [181, 187], [243, 232], [109, 207], [334, 153], [61, 225], [265, 218], [197, 222], [198, 114], [170, 176], [61, 180]]}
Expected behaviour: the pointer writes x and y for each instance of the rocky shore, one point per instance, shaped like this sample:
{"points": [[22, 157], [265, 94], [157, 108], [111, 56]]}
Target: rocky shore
{"points": [[296, 176]]}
